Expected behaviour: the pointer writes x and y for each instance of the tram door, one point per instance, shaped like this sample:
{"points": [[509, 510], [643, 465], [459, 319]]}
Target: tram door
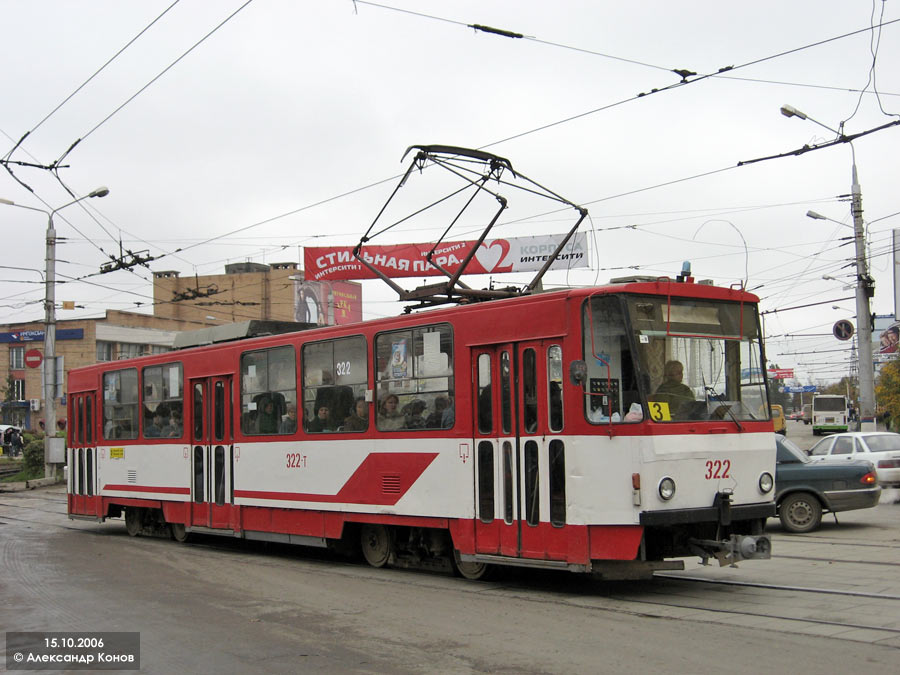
{"points": [[212, 452], [520, 501]]}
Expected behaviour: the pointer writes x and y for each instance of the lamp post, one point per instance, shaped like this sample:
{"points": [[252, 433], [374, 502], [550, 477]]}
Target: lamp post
{"points": [[50, 322], [863, 286]]}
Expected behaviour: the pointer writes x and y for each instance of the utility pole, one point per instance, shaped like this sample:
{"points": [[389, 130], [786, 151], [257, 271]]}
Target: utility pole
{"points": [[52, 445], [863, 284], [863, 314]]}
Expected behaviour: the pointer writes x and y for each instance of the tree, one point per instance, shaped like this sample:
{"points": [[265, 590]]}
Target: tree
{"points": [[887, 390], [9, 396]]}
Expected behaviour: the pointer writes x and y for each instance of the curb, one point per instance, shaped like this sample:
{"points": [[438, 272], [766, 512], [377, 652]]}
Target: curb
{"points": [[27, 485]]}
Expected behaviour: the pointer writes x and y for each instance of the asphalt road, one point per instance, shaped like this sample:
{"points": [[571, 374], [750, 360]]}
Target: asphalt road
{"points": [[827, 602]]}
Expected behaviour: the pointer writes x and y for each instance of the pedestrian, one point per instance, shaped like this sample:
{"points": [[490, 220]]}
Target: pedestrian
{"points": [[16, 444]]}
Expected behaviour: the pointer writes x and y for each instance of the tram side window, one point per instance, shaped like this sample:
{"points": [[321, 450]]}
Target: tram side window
{"points": [[611, 391], [268, 390], [335, 378], [163, 404], [120, 404], [415, 379]]}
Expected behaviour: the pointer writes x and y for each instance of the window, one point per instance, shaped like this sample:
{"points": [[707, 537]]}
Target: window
{"points": [[532, 484], [557, 479], [89, 419], [120, 404], [415, 379], [18, 390], [335, 378], [486, 481], [127, 350], [507, 482], [529, 390], [612, 393], [268, 389], [505, 392], [163, 401], [79, 421], [485, 404], [105, 351], [843, 446], [17, 358], [555, 382]]}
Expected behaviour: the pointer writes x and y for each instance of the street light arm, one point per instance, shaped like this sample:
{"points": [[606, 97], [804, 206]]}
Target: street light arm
{"points": [[9, 202], [99, 192]]}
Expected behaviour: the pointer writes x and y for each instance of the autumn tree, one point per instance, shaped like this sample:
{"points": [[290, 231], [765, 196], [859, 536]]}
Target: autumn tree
{"points": [[887, 390]]}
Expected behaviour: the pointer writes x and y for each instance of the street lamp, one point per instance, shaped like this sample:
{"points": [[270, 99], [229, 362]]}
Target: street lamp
{"points": [[863, 285], [50, 322]]}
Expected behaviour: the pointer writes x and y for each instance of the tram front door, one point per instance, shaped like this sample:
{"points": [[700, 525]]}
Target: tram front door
{"points": [[212, 452], [520, 479]]}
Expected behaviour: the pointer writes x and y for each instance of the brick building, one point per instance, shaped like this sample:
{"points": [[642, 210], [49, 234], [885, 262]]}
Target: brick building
{"points": [[79, 342], [245, 292]]}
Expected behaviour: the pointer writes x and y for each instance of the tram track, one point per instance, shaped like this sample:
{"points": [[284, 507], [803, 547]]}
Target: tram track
{"points": [[790, 607]]}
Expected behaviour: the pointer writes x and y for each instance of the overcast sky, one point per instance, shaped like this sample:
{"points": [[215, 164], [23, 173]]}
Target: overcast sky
{"points": [[242, 149]]}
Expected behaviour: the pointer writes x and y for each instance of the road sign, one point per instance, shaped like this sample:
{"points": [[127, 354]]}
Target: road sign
{"points": [[843, 329], [33, 358], [805, 389]]}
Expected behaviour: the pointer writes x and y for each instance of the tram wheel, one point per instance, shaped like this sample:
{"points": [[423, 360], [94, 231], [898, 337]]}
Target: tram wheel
{"points": [[800, 512], [377, 544], [133, 520], [178, 532], [473, 571]]}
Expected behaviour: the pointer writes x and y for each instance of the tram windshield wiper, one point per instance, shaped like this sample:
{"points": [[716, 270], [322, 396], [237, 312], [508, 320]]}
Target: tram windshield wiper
{"points": [[724, 407]]}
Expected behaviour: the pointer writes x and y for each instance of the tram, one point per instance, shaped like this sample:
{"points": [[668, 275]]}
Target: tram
{"points": [[615, 430]]}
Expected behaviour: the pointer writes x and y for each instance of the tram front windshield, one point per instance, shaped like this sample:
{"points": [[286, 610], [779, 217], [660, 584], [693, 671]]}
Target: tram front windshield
{"points": [[672, 359]]}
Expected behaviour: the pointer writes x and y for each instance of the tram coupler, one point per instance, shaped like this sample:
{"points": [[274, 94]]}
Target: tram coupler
{"points": [[734, 549]]}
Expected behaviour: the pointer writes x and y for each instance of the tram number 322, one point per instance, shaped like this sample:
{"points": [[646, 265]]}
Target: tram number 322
{"points": [[295, 460], [717, 469]]}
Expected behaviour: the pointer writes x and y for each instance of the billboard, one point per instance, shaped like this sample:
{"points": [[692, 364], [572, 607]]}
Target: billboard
{"points": [[327, 303], [518, 254]]}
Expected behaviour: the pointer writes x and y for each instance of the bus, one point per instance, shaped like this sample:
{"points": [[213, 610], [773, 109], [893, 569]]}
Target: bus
{"points": [[613, 430], [830, 412]]}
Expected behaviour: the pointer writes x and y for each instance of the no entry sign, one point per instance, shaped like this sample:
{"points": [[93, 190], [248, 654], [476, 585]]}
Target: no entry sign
{"points": [[33, 358]]}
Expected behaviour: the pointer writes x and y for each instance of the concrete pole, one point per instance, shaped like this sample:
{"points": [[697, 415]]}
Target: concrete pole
{"points": [[863, 314], [50, 346]]}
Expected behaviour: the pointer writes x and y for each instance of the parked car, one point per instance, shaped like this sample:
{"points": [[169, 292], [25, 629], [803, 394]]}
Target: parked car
{"points": [[805, 488], [882, 448]]}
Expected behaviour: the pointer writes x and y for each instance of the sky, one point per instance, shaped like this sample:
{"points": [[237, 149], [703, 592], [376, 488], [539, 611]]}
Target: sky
{"points": [[238, 131]]}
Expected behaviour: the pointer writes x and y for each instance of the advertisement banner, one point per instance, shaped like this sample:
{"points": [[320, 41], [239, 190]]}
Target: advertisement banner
{"points": [[327, 303], [518, 254], [781, 373]]}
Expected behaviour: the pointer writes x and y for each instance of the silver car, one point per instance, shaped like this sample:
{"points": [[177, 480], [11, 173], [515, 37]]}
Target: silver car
{"points": [[882, 448]]}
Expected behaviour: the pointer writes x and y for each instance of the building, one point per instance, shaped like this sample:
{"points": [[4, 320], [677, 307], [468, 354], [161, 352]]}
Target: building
{"points": [[245, 292], [253, 291], [79, 342]]}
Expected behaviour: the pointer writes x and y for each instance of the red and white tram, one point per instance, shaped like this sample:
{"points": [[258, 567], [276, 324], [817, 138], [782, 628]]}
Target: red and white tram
{"points": [[608, 429]]}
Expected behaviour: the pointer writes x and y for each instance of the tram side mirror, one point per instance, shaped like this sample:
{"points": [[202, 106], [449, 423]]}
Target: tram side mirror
{"points": [[578, 372]]}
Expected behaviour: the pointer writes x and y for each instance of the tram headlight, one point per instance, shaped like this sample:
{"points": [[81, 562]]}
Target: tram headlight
{"points": [[766, 483], [666, 489]]}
